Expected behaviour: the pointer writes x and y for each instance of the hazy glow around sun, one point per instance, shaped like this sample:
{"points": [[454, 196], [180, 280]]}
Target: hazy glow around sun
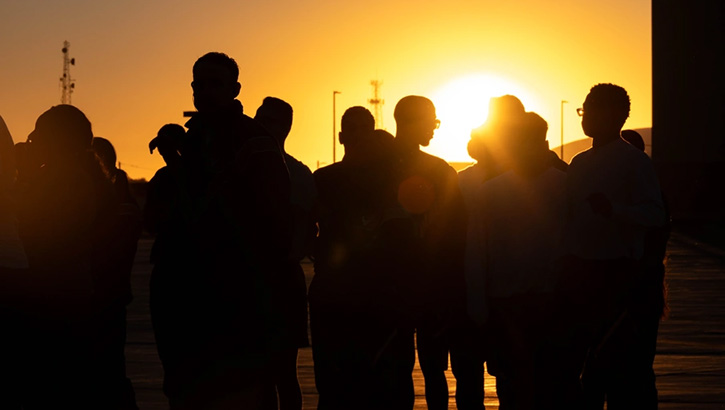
{"points": [[461, 105]]}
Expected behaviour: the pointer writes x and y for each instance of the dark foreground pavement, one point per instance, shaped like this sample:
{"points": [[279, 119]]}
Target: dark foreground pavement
{"points": [[690, 362]]}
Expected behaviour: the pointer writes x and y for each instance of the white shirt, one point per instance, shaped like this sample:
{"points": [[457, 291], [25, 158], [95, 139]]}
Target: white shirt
{"points": [[625, 175]]}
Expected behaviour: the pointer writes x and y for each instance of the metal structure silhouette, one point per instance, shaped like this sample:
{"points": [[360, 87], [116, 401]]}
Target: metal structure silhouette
{"points": [[67, 84], [376, 104]]}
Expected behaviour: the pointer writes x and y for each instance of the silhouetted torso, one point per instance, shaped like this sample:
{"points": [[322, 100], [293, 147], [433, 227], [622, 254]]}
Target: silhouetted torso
{"points": [[428, 190], [221, 246]]}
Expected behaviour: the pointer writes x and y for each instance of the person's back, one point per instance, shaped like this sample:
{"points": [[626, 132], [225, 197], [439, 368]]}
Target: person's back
{"points": [[352, 296], [12, 254], [60, 226], [13, 269], [276, 115], [230, 210], [522, 217], [116, 244]]}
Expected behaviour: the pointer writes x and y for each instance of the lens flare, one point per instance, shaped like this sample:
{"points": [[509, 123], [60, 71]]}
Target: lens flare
{"points": [[462, 104]]}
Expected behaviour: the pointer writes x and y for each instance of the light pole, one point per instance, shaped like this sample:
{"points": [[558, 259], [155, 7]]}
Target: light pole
{"points": [[561, 148], [334, 123]]}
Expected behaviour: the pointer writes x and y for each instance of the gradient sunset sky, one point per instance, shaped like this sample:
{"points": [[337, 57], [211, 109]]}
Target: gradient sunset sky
{"points": [[134, 59]]}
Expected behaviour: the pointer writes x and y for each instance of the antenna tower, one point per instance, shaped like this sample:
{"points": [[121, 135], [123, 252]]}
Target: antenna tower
{"points": [[67, 84], [376, 103]]}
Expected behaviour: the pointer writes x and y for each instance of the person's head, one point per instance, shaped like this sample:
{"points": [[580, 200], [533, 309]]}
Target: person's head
{"points": [[105, 152], [7, 155], [356, 125], [62, 131], [504, 109], [169, 141], [527, 145], [276, 116], [488, 141], [373, 146], [634, 138], [175, 132], [415, 118], [216, 82], [605, 110]]}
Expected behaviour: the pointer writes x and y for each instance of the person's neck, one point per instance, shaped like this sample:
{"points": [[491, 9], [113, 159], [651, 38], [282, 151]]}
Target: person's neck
{"points": [[224, 109], [406, 143], [604, 139]]}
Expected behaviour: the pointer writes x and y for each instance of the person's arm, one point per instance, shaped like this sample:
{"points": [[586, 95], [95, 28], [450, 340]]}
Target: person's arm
{"points": [[646, 208]]}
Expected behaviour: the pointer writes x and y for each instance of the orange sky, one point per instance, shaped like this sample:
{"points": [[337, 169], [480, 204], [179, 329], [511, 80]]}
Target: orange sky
{"points": [[134, 62]]}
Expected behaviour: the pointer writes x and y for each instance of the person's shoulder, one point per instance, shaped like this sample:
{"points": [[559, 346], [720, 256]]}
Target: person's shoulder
{"points": [[330, 179], [328, 170], [299, 172], [631, 151], [469, 171], [436, 164], [554, 176], [472, 175], [252, 126], [121, 175], [297, 165], [581, 156], [161, 173], [433, 159]]}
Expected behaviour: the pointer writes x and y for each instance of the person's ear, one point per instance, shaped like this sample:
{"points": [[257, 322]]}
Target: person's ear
{"points": [[236, 89]]}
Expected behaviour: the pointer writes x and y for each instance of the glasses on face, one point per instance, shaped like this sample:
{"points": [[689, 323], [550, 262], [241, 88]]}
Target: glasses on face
{"points": [[580, 112], [437, 123]]}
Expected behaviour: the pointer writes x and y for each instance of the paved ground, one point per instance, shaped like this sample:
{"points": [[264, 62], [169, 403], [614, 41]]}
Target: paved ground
{"points": [[690, 362]]}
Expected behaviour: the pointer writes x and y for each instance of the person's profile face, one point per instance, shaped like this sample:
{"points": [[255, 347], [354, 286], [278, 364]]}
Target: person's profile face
{"points": [[591, 118], [214, 87], [427, 124]]}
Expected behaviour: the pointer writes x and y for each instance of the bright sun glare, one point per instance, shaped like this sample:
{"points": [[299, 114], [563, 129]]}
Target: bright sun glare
{"points": [[462, 105]]}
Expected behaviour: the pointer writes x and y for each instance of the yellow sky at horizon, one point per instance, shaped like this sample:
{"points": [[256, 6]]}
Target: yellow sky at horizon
{"points": [[134, 60]]}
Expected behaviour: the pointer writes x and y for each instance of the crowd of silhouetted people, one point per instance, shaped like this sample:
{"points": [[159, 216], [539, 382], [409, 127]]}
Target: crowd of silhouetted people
{"points": [[547, 275]]}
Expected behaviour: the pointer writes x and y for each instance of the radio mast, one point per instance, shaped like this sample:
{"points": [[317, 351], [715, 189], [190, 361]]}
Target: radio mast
{"points": [[376, 103], [67, 84]]}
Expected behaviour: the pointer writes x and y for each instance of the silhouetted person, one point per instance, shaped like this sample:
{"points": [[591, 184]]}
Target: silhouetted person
{"points": [[354, 304], [428, 191], [163, 220], [66, 208], [514, 242], [228, 238], [470, 348], [276, 116], [487, 143], [113, 281], [12, 254], [629, 349], [613, 200], [655, 246], [13, 267], [162, 190]]}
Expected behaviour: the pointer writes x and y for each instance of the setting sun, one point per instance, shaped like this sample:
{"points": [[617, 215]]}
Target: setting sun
{"points": [[462, 104]]}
